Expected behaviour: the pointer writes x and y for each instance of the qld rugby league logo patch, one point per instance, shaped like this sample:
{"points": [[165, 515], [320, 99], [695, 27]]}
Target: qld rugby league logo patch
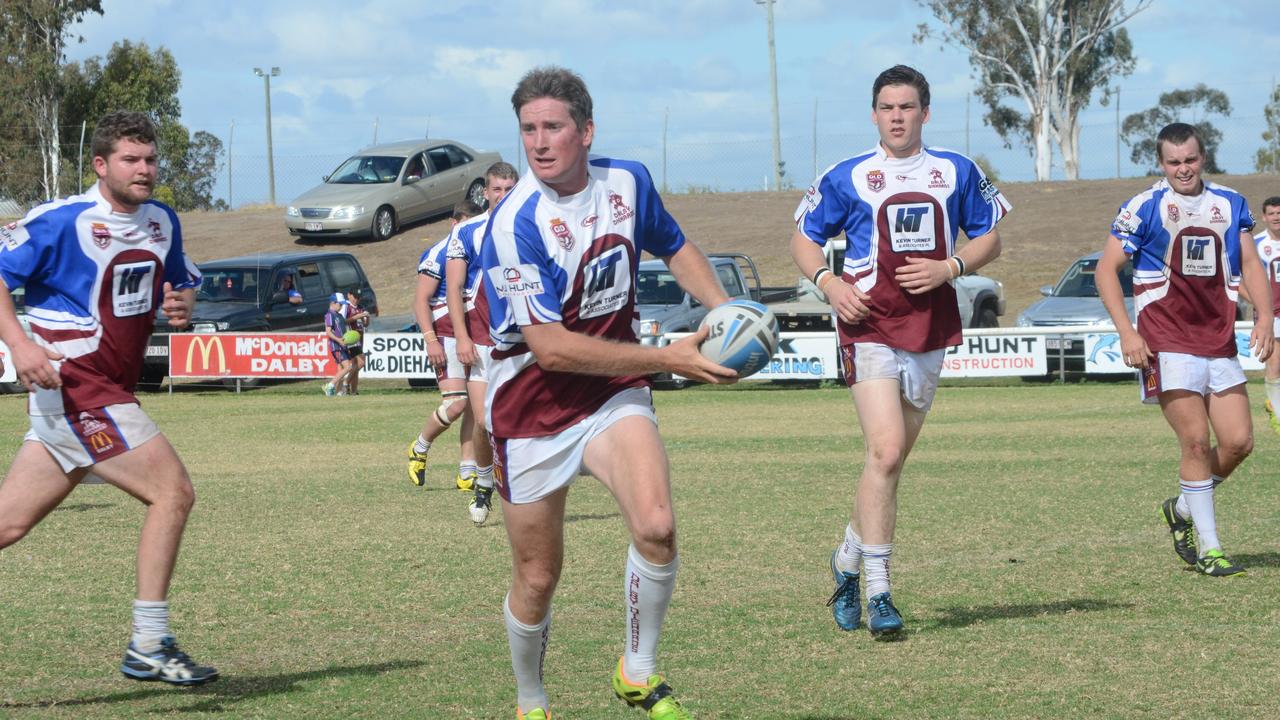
{"points": [[1173, 213], [101, 235], [561, 231], [875, 180]]}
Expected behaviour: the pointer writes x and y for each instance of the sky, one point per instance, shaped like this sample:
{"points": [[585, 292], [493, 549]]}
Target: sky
{"points": [[690, 76]]}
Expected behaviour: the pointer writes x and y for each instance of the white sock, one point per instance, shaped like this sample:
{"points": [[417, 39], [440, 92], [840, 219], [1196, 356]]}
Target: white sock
{"points": [[849, 556], [528, 649], [1272, 387], [1199, 497], [1184, 510], [421, 445], [648, 593], [466, 468], [150, 622], [875, 563], [484, 476]]}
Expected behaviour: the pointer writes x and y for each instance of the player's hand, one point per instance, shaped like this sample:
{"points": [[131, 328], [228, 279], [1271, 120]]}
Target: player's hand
{"points": [[435, 353], [920, 275], [1262, 339], [177, 305], [850, 303], [1135, 351], [466, 350], [34, 367], [684, 359]]}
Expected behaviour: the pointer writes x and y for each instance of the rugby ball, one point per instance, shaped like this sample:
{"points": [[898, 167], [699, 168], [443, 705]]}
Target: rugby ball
{"points": [[743, 336], [351, 337]]}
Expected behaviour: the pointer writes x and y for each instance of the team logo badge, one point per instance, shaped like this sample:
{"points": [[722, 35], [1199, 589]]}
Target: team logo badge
{"points": [[90, 425], [156, 235], [589, 220], [936, 179], [1173, 213], [561, 231], [1215, 215], [875, 180], [101, 235], [1266, 250], [620, 210]]}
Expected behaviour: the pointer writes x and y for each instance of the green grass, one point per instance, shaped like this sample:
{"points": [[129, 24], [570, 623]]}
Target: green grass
{"points": [[1035, 576]]}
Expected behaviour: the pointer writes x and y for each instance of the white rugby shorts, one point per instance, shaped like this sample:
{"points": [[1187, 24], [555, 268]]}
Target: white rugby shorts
{"points": [[529, 469], [917, 373], [1275, 326], [84, 438], [456, 370], [1180, 371]]}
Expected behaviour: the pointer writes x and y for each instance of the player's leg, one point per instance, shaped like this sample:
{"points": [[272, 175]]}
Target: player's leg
{"points": [[152, 473], [1187, 414], [466, 479], [453, 403], [482, 500], [536, 534], [1232, 426], [629, 459], [34, 486], [1272, 385]]}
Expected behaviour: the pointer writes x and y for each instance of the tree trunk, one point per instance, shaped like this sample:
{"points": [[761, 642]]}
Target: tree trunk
{"points": [[1071, 149], [1043, 148]]}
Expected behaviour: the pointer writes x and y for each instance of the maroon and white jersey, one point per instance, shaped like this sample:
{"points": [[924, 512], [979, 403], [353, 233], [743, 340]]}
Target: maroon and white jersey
{"points": [[1185, 252], [893, 209], [1269, 253], [464, 244], [431, 264], [93, 280], [570, 260]]}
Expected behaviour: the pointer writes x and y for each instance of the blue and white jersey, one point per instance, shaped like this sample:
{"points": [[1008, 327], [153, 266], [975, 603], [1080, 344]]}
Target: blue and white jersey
{"points": [[1185, 252], [431, 264], [891, 209], [464, 244], [94, 279], [1269, 254], [571, 260]]}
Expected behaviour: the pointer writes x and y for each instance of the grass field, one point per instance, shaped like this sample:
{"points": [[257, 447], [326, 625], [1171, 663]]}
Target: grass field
{"points": [[1036, 578]]}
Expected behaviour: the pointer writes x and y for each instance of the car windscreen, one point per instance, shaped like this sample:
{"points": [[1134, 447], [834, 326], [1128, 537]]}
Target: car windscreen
{"points": [[1078, 280], [232, 284], [367, 170], [658, 287]]}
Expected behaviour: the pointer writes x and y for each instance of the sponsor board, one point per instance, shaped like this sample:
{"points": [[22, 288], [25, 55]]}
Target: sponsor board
{"points": [[1102, 353], [996, 356], [802, 356], [396, 355], [231, 355]]}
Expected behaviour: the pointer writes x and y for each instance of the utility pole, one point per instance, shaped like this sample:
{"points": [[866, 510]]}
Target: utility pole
{"points": [[666, 116], [773, 87], [271, 158], [1117, 132], [231, 138]]}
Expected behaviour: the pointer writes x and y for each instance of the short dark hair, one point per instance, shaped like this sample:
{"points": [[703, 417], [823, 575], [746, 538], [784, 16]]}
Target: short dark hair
{"points": [[466, 209], [1177, 134], [501, 169], [1273, 201], [112, 127], [557, 83], [901, 75]]}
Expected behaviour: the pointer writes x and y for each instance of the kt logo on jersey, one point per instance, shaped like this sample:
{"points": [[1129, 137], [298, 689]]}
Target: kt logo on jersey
{"points": [[131, 288], [911, 227]]}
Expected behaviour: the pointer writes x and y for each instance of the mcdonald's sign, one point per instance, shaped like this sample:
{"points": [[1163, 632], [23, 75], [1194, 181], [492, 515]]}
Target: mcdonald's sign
{"points": [[100, 442], [199, 359]]}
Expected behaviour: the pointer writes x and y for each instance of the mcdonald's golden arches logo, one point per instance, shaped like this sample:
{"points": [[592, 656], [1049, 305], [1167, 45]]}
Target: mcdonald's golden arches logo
{"points": [[100, 442], [207, 344]]}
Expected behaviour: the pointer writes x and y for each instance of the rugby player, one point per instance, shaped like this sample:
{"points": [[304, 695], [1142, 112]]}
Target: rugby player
{"points": [[1268, 242]]}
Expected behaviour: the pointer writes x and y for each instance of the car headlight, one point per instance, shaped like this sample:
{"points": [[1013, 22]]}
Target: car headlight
{"points": [[650, 327], [1023, 321], [292, 211], [205, 327], [347, 212]]}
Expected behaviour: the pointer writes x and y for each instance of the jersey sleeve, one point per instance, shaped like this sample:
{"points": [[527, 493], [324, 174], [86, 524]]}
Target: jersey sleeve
{"points": [[824, 209], [429, 264], [982, 205], [1247, 221], [179, 271], [29, 249], [523, 275], [456, 248], [661, 234], [1128, 227]]}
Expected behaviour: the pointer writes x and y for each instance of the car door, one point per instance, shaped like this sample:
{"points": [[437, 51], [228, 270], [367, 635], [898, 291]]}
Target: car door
{"points": [[414, 189], [449, 179], [309, 314]]}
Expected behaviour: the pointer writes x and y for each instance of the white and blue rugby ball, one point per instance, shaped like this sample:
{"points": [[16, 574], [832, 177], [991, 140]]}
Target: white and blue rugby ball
{"points": [[743, 336]]}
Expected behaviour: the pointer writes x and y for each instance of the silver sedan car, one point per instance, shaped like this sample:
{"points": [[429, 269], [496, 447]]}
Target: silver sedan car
{"points": [[383, 187]]}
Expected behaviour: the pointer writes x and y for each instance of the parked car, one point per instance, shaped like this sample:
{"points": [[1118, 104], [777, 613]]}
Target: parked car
{"points": [[249, 294], [1074, 301], [383, 187]]}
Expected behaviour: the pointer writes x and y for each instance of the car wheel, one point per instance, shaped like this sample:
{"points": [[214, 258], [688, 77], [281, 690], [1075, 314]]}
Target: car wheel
{"points": [[384, 223], [986, 318], [475, 194]]}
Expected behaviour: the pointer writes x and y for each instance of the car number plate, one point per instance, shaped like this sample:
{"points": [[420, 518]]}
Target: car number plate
{"points": [[313, 226], [157, 351], [1056, 343]]}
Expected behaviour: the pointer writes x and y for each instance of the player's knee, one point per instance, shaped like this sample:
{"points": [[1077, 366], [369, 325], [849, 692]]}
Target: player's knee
{"points": [[452, 404], [537, 582], [1197, 449], [11, 532], [1236, 448], [657, 541], [887, 459]]}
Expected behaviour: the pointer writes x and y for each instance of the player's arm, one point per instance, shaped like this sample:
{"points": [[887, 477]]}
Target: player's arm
{"points": [[1256, 285], [1107, 276], [30, 361], [850, 303], [455, 277], [559, 349], [693, 272], [423, 291], [920, 275]]}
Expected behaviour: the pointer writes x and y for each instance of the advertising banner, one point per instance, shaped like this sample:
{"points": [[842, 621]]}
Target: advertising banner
{"points": [[802, 356], [396, 355], [996, 356], [1102, 353], [231, 355]]}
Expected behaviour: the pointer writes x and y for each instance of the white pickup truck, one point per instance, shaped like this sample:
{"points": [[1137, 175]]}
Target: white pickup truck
{"points": [[980, 299]]}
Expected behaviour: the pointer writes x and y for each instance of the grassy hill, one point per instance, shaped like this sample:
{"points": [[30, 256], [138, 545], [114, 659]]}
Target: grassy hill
{"points": [[1051, 224]]}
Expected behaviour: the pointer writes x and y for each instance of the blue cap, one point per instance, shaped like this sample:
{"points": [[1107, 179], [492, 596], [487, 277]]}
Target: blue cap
{"points": [[339, 298]]}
